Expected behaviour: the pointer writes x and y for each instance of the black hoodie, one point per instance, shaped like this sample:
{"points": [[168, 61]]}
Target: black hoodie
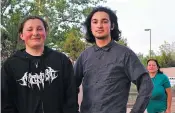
{"points": [[38, 84]]}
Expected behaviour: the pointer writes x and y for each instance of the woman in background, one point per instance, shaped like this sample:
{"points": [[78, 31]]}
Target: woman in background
{"points": [[161, 98]]}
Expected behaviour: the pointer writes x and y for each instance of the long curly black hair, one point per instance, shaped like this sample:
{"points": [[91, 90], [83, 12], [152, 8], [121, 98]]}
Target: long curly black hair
{"points": [[115, 33]]}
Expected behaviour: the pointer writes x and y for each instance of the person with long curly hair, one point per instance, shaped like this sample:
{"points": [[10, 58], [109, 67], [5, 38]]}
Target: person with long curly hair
{"points": [[107, 69]]}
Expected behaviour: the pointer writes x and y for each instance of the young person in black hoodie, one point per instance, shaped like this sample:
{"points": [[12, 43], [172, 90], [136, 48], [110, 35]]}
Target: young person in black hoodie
{"points": [[37, 79]]}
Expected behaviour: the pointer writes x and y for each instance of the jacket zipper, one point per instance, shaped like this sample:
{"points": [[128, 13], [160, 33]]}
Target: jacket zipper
{"points": [[42, 107]]}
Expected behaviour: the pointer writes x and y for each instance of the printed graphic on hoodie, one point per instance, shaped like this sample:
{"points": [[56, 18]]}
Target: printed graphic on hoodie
{"points": [[38, 79]]}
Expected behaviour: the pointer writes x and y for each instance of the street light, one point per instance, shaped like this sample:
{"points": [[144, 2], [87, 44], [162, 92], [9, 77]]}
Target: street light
{"points": [[150, 41]]}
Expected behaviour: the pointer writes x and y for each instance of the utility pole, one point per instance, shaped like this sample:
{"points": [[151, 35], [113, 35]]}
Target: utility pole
{"points": [[150, 41]]}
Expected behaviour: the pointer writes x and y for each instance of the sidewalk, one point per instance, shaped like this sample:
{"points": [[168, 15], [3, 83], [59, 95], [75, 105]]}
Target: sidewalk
{"points": [[172, 107], [129, 109]]}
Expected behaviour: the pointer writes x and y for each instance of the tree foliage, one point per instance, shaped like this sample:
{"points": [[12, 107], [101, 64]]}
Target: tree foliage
{"points": [[167, 52], [61, 15], [73, 45], [123, 41], [165, 56]]}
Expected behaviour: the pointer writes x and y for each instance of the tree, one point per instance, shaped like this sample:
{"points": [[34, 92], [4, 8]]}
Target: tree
{"points": [[167, 52], [73, 45], [10, 16], [165, 56], [123, 41], [61, 15], [143, 58]]}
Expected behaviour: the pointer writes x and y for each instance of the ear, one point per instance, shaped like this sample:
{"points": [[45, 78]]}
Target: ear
{"points": [[21, 36], [112, 26]]}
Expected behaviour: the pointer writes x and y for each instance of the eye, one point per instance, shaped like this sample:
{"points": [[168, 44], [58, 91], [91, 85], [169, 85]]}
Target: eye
{"points": [[105, 21], [149, 65], [29, 29], [94, 22], [40, 29]]}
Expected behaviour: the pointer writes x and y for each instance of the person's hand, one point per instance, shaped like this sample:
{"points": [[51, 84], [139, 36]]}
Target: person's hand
{"points": [[168, 111]]}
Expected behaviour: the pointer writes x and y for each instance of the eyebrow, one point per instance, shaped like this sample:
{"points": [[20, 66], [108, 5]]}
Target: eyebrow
{"points": [[37, 27], [97, 19]]}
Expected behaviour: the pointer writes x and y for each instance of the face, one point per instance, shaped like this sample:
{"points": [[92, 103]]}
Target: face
{"points": [[152, 66], [33, 33], [101, 25]]}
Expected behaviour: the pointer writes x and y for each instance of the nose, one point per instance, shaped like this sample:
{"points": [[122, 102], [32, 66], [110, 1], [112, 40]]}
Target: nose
{"points": [[151, 67], [99, 25], [35, 33]]}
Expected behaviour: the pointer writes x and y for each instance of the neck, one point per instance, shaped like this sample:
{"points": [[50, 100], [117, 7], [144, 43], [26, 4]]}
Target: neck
{"points": [[153, 74], [103, 42], [35, 51]]}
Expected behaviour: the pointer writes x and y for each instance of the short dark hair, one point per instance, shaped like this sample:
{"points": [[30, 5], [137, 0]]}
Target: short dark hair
{"points": [[21, 25], [115, 33], [158, 66]]}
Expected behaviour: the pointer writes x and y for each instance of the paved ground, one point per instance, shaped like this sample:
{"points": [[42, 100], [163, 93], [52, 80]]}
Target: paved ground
{"points": [[172, 107], [129, 109]]}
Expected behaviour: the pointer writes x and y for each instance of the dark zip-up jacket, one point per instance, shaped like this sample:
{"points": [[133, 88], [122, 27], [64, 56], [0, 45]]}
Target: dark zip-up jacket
{"points": [[106, 74], [38, 84]]}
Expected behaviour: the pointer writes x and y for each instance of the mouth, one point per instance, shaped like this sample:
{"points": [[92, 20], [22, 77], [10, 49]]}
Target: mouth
{"points": [[36, 38], [100, 31]]}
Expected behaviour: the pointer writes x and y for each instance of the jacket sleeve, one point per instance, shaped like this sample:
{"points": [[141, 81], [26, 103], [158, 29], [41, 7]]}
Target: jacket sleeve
{"points": [[140, 77], [144, 86], [78, 72], [7, 90], [70, 97]]}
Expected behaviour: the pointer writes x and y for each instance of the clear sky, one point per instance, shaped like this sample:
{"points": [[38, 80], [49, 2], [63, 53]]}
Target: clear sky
{"points": [[136, 15]]}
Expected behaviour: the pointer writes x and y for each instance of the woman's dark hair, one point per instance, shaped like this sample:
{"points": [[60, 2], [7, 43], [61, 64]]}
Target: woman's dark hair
{"points": [[115, 33], [158, 66], [21, 26]]}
